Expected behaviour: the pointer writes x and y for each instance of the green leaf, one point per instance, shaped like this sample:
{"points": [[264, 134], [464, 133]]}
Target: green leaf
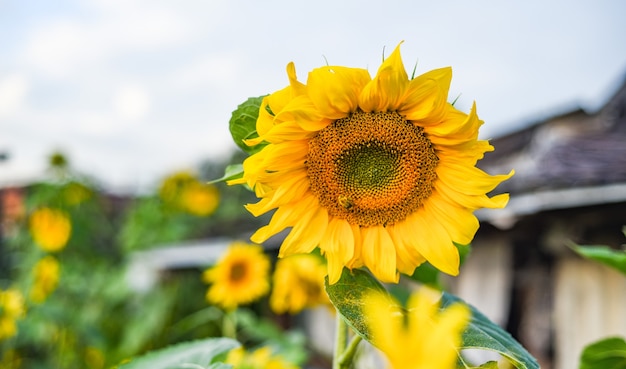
{"points": [[603, 254], [195, 354], [489, 365], [609, 353], [484, 334], [347, 296], [233, 171], [243, 123]]}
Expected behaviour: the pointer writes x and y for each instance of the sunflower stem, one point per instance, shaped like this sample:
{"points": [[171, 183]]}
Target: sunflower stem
{"points": [[341, 338], [229, 324], [345, 360]]}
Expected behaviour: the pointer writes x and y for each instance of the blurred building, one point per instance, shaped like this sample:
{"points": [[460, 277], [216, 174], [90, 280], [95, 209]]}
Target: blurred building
{"points": [[569, 186]]}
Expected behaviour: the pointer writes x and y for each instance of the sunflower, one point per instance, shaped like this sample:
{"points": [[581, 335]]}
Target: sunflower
{"points": [[298, 283], [46, 279], [240, 277], [183, 191], [261, 358], [50, 228], [376, 172], [430, 338], [11, 309]]}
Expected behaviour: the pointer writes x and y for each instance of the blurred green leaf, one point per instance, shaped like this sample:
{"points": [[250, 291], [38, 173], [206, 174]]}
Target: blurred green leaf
{"points": [[484, 334], [347, 296], [603, 254], [243, 123], [290, 344], [231, 172], [609, 353], [195, 354]]}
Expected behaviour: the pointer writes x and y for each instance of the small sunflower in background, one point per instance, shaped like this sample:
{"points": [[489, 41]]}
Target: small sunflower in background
{"points": [[46, 279], [298, 283], [50, 228], [421, 336], [11, 309], [75, 193], [184, 192], [261, 358], [239, 277], [378, 172]]}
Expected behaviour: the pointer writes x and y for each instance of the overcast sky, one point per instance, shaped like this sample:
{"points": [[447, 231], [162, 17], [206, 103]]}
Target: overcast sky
{"points": [[133, 89]]}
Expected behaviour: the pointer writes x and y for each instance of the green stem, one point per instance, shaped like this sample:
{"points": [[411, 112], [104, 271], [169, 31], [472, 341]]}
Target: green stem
{"points": [[348, 355], [229, 324], [341, 338]]}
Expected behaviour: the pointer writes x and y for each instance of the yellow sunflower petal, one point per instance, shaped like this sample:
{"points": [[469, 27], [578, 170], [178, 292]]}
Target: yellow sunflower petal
{"points": [[386, 91], [426, 97], [404, 235], [338, 246], [472, 201], [435, 244], [265, 121], [457, 126], [379, 254], [284, 217], [306, 233], [292, 189], [335, 90], [460, 223], [469, 180], [302, 111], [282, 132]]}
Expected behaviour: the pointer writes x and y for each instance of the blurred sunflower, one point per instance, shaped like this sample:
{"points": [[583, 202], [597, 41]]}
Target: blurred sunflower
{"points": [[376, 172], [75, 193], [46, 279], [241, 276], [50, 228], [11, 309], [430, 338], [261, 358], [298, 283], [183, 191]]}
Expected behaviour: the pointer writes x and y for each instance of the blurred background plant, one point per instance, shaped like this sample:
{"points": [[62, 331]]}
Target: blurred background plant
{"points": [[65, 296]]}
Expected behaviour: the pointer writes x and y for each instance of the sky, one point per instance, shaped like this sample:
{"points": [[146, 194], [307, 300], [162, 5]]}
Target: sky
{"points": [[131, 90]]}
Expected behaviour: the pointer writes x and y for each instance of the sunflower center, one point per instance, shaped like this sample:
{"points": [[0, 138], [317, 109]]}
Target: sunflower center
{"points": [[238, 271], [371, 168]]}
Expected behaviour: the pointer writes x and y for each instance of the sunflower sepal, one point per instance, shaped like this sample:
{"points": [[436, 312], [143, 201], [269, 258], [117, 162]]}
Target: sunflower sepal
{"points": [[243, 124], [232, 173], [349, 295]]}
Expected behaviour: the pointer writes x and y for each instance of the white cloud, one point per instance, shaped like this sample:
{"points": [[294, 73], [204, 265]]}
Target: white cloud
{"points": [[131, 102], [61, 47], [221, 69], [13, 91]]}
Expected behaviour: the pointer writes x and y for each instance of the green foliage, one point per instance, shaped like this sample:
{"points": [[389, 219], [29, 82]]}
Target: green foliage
{"points": [[609, 353], [488, 365], [242, 123], [347, 296], [484, 334], [233, 171], [256, 331], [603, 254], [197, 354]]}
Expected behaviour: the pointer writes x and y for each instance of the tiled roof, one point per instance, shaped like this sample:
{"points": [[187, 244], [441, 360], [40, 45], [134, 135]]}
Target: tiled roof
{"points": [[563, 152]]}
